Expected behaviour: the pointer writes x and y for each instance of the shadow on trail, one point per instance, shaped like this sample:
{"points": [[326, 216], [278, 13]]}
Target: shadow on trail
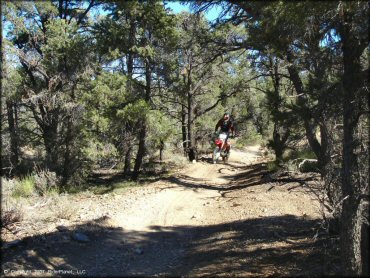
{"points": [[248, 176], [107, 183], [263, 246]]}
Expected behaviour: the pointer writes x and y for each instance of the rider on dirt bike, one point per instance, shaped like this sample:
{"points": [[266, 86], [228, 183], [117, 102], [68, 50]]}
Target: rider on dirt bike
{"points": [[226, 125]]}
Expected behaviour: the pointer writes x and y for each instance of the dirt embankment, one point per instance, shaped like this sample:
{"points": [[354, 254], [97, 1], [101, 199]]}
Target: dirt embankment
{"points": [[223, 219]]}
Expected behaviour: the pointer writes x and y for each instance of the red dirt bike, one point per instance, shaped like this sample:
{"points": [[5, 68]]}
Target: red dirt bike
{"points": [[222, 148]]}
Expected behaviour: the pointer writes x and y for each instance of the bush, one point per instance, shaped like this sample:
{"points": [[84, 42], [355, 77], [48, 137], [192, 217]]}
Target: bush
{"points": [[24, 187], [250, 139], [40, 183], [177, 160], [45, 181], [273, 166]]}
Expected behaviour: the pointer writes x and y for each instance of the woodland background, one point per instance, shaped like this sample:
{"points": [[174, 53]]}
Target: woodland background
{"points": [[130, 85]]}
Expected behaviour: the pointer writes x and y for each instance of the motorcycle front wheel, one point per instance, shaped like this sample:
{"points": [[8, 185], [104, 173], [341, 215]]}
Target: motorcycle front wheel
{"points": [[216, 154]]}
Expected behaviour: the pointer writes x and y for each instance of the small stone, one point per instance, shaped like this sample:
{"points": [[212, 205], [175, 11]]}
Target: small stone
{"points": [[62, 228]]}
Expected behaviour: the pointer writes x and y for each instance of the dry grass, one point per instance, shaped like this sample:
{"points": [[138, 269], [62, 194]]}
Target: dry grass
{"points": [[11, 210], [63, 208]]}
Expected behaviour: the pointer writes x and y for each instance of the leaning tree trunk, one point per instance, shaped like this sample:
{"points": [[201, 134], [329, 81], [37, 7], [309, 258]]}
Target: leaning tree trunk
{"points": [[305, 114]]}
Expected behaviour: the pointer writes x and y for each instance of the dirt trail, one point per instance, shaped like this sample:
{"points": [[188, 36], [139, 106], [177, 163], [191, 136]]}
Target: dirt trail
{"points": [[223, 219]]}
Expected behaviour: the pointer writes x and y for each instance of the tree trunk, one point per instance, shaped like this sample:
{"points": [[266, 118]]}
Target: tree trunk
{"points": [[161, 149], [143, 130], [14, 150], [50, 137], [278, 146], [350, 237], [190, 122], [351, 188], [128, 156], [140, 153], [304, 112], [67, 152], [183, 129], [130, 66], [278, 143]]}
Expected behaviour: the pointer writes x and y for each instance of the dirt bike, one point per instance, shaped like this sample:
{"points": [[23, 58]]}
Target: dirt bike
{"points": [[222, 148]]}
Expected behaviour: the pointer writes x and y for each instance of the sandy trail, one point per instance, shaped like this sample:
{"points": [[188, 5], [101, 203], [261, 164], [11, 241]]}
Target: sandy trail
{"points": [[178, 204], [209, 219]]}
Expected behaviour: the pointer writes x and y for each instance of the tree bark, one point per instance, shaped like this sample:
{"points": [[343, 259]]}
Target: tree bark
{"points": [[304, 112], [50, 137], [190, 124], [190, 119], [142, 135], [128, 156], [130, 66], [351, 209], [67, 152], [277, 137], [183, 129], [161, 149], [14, 148], [140, 153]]}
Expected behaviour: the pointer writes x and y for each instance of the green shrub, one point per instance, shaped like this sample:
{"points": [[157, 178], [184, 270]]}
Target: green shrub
{"points": [[45, 182], [24, 187], [273, 166], [306, 154], [250, 139]]}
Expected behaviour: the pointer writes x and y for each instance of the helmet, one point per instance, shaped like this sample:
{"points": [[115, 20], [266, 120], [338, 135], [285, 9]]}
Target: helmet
{"points": [[226, 116]]}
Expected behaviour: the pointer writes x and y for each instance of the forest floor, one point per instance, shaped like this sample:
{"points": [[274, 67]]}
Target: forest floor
{"points": [[233, 219]]}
